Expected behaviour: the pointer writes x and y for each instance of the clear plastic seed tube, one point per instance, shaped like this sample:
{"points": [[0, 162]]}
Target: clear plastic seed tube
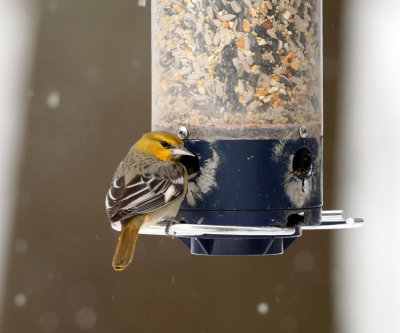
{"points": [[230, 69]]}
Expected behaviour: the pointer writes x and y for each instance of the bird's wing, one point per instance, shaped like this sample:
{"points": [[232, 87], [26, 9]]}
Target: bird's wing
{"points": [[144, 193]]}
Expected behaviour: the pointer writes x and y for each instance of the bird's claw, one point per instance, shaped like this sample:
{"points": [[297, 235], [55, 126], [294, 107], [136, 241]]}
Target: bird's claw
{"points": [[170, 222]]}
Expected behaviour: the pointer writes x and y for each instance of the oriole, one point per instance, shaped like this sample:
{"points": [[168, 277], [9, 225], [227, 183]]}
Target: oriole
{"points": [[148, 187]]}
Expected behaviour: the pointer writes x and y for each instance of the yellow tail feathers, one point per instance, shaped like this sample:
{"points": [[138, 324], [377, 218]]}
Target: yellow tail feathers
{"points": [[126, 245]]}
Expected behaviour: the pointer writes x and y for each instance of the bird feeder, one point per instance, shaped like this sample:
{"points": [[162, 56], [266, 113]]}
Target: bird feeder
{"points": [[241, 81]]}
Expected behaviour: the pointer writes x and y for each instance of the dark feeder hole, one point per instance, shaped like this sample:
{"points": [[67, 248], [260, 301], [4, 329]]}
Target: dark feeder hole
{"points": [[302, 163], [191, 163], [295, 219]]}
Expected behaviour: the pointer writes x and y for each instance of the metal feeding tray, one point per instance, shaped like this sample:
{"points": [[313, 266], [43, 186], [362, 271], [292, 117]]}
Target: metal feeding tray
{"points": [[203, 239]]}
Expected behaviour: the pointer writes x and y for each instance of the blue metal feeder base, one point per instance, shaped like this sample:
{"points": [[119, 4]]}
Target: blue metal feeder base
{"points": [[252, 183]]}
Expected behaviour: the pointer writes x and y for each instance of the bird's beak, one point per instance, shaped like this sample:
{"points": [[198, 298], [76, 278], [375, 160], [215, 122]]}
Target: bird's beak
{"points": [[181, 150]]}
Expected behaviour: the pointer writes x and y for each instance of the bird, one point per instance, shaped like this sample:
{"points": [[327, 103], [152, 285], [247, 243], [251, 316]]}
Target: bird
{"points": [[148, 187]]}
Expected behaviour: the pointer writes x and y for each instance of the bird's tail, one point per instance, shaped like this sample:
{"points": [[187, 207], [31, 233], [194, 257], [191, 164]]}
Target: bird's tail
{"points": [[126, 244]]}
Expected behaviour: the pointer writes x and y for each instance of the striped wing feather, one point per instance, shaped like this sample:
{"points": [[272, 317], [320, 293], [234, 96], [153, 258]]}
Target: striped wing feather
{"points": [[144, 193]]}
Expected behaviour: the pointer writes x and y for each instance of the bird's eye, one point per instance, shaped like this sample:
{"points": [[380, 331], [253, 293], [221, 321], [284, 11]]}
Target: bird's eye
{"points": [[164, 144]]}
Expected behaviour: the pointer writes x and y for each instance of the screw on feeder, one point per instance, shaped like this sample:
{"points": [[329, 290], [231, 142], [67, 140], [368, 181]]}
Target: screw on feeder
{"points": [[303, 131], [182, 132]]}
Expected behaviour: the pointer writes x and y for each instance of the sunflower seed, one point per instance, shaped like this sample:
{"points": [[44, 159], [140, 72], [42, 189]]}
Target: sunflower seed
{"points": [[252, 106], [216, 39], [236, 7], [227, 17], [248, 3], [219, 90], [257, 3], [249, 96], [240, 87], [208, 39], [272, 33], [247, 44]]}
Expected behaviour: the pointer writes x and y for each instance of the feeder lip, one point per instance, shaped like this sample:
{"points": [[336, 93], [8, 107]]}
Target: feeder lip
{"points": [[333, 219]]}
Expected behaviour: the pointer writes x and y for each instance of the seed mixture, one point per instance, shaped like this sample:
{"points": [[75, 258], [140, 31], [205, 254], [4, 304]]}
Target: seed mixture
{"points": [[237, 67]]}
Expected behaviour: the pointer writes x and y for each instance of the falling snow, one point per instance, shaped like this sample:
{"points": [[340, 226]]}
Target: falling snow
{"points": [[53, 99], [20, 300], [263, 308], [86, 318]]}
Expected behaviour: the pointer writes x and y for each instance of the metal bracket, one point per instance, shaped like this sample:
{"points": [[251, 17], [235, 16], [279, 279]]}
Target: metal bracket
{"points": [[331, 219], [335, 219]]}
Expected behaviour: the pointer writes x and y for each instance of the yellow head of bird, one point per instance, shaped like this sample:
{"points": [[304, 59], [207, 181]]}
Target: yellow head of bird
{"points": [[163, 145]]}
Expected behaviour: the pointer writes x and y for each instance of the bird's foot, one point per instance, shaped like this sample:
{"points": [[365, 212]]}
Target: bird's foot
{"points": [[170, 222]]}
